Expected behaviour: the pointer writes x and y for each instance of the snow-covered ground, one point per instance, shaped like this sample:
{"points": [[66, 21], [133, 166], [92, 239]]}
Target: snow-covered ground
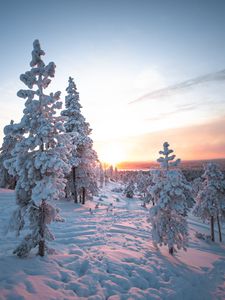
{"points": [[107, 253]]}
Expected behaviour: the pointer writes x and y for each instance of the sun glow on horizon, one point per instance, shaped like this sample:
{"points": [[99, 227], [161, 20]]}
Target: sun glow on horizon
{"points": [[112, 154]]}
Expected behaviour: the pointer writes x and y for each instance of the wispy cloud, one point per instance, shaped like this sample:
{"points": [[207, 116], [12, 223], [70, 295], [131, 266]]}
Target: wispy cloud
{"points": [[179, 109], [173, 89]]}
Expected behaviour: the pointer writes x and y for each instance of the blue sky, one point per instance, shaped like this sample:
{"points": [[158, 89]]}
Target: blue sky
{"points": [[118, 51]]}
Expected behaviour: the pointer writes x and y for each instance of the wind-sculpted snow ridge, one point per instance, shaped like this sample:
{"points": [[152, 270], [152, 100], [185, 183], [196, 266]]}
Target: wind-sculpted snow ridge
{"points": [[107, 253]]}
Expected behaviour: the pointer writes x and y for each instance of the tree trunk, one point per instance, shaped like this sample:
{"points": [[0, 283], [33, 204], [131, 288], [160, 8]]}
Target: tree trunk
{"points": [[212, 229], [66, 195], [41, 248], [219, 229], [83, 195], [171, 250], [41, 245], [74, 184], [41, 147]]}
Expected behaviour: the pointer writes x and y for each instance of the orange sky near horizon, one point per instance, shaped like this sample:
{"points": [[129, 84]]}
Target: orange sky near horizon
{"points": [[204, 141]]}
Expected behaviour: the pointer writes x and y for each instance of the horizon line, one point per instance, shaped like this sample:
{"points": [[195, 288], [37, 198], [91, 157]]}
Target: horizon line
{"points": [[132, 165]]}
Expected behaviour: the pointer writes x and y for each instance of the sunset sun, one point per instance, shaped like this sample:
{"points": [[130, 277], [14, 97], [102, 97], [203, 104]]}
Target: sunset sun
{"points": [[112, 154]]}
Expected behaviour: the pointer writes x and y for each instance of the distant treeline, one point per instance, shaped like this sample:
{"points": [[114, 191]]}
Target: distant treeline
{"points": [[186, 164]]}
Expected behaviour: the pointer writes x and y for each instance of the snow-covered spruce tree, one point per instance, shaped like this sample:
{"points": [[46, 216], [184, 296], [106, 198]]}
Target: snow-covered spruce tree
{"points": [[40, 157], [72, 122], [110, 172], [9, 142], [116, 176], [101, 176], [143, 181], [87, 173], [197, 185], [129, 189], [106, 176], [210, 200], [84, 158], [172, 195]]}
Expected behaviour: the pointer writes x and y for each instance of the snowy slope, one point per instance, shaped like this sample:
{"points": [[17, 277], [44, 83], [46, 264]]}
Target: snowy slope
{"points": [[107, 253]]}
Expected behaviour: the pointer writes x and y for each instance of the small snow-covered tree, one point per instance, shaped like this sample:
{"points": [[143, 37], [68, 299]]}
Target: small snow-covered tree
{"points": [[172, 195], [116, 174], [101, 176], [129, 189], [143, 182], [197, 185], [84, 158], [210, 200], [87, 173], [110, 172], [127, 176], [40, 157], [106, 177], [9, 142]]}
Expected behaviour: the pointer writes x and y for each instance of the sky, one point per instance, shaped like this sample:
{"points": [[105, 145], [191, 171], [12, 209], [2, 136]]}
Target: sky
{"points": [[147, 71]]}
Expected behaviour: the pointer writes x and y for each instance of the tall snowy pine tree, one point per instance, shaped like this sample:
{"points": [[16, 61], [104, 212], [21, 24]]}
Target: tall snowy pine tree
{"points": [[210, 200], [40, 158], [83, 161], [172, 196]]}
